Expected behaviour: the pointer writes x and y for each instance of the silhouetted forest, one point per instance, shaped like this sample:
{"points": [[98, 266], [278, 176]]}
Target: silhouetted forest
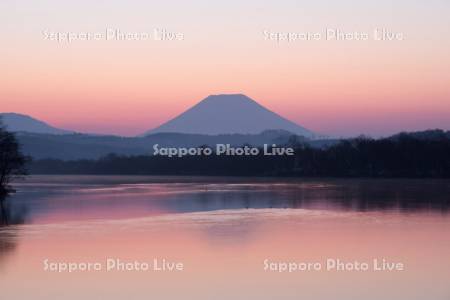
{"points": [[403, 155]]}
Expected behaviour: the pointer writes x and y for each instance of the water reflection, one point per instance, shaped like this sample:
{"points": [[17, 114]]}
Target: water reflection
{"points": [[74, 198], [8, 235], [11, 214], [223, 229]]}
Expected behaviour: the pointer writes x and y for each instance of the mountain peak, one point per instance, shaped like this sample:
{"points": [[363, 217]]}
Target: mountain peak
{"points": [[228, 97], [229, 114]]}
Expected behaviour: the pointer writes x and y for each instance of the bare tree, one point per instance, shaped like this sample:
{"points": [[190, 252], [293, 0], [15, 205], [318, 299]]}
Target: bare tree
{"points": [[12, 161]]}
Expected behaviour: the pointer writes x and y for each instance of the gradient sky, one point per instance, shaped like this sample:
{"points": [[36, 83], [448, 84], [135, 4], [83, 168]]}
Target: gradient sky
{"points": [[338, 88]]}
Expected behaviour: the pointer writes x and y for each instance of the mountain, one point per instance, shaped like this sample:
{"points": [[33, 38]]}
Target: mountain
{"points": [[23, 123], [228, 114]]}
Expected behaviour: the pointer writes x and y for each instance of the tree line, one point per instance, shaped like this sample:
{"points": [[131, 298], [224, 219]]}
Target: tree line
{"points": [[419, 155]]}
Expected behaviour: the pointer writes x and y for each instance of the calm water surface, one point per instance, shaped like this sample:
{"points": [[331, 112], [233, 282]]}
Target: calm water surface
{"points": [[222, 230]]}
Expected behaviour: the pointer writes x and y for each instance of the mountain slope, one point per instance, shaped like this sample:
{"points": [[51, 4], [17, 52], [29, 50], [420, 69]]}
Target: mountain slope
{"points": [[23, 123], [228, 114]]}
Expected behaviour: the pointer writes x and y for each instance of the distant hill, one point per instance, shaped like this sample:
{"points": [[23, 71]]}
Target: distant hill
{"points": [[432, 134], [83, 146], [23, 123], [405, 156], [229, 114]]}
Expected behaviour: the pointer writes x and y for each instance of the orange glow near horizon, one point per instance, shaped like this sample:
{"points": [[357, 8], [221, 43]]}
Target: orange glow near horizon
{"points": [[337, 88]]}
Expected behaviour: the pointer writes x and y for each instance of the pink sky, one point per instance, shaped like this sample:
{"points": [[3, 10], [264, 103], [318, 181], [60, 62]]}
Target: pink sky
{"points": [[337, 88]]}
